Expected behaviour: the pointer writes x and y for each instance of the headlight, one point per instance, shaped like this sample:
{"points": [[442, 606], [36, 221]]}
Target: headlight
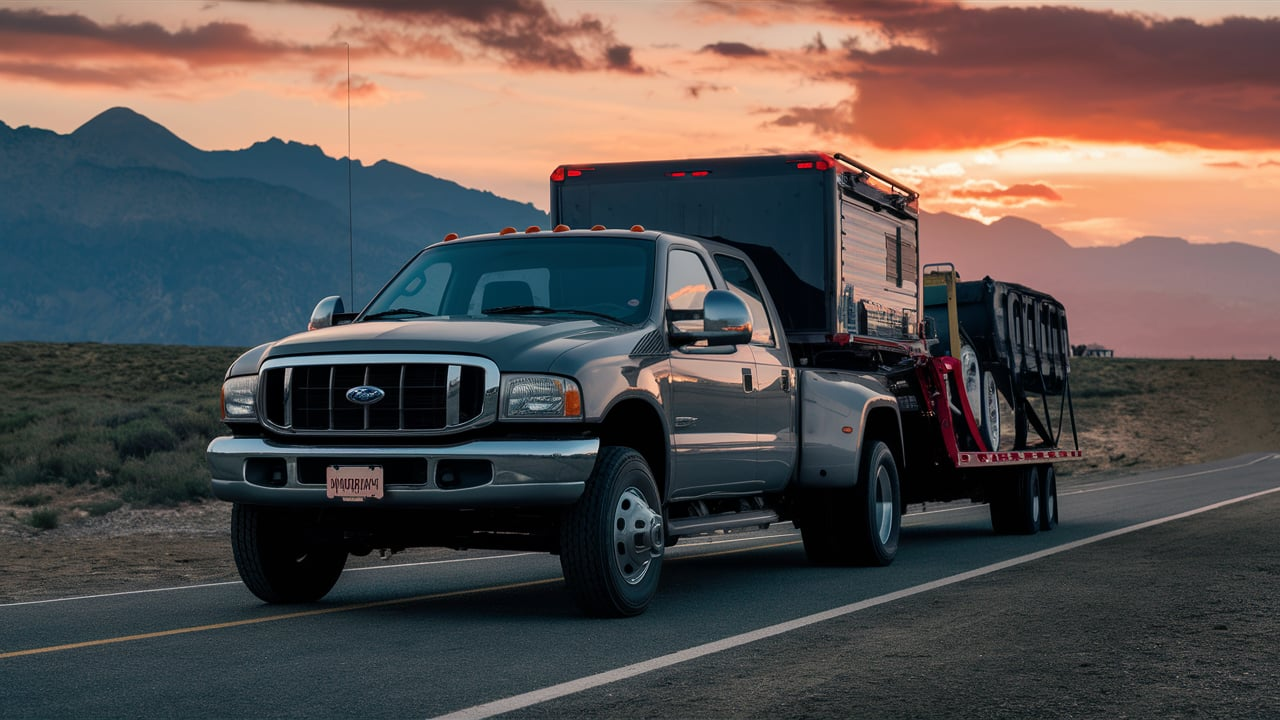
{"points": [[540, 397], [238, 398]]}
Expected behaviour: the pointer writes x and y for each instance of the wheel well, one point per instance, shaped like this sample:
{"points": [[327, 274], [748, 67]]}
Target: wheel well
{"points": [[637, 425], [882, 424]]}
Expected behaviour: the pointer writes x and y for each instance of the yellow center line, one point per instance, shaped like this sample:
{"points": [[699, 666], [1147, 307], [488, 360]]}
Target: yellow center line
{"points": [[333, 610], [272, 618]]}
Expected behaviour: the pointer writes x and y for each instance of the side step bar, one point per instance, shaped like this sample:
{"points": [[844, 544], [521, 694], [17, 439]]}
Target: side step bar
{"points": [[681, 527]]}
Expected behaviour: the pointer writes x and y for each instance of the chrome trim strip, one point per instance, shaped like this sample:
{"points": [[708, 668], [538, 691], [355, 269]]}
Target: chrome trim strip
{"points": [[533, 472], [288, 397], [453, 396]]}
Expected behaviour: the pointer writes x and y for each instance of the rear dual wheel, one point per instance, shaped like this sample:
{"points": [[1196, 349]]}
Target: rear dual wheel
{"points": [[858, 525]]}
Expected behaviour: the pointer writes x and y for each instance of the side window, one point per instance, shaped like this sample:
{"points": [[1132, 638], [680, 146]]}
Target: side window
{"points": [[687, 285], [738, 275]]}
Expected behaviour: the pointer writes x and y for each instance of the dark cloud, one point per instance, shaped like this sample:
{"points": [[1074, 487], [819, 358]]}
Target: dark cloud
{"points": [[72, 49], [945, 75], [1014, 194], [833, 120], [734, 49], [525, 34], [695, 91]]}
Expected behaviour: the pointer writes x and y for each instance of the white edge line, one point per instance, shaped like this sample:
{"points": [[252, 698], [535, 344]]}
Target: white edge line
{"points": [[525, 700]]}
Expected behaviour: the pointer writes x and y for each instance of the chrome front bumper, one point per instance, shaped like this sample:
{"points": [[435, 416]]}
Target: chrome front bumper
{"points": [[520, 472]]}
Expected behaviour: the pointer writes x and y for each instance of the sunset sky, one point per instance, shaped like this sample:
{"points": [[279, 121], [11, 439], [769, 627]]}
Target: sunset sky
{"points": [[1102, 121]]}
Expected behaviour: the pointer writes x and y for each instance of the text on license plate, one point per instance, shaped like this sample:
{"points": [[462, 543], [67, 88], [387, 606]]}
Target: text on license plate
{"points": [[353, 483]]}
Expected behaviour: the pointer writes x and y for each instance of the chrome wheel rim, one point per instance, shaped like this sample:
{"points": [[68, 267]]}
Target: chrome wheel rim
{"points": [[637, 536], [884, 504]]}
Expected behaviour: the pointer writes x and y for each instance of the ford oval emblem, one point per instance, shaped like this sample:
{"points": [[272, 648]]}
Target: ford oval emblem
{"points": [[365, 394]]}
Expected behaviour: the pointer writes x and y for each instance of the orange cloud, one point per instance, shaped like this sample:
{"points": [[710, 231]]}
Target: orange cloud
{"points": [[939, 75], [1021, 194]]}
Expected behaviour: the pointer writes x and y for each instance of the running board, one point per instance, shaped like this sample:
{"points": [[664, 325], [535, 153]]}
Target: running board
{"points": [[681, 527]]}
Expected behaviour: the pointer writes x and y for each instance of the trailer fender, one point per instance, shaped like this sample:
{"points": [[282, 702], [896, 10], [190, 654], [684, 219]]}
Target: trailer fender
{"points": [[836, 410]]}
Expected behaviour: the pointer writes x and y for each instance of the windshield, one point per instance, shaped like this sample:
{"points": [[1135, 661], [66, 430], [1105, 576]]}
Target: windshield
{"points": [[597, 276]]}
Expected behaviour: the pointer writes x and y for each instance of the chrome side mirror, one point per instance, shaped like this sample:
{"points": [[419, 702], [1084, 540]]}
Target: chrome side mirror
{"points": [[326, 309]]}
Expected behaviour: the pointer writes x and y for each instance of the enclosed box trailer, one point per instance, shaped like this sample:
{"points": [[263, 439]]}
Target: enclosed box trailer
{"points": [[836, 242]]}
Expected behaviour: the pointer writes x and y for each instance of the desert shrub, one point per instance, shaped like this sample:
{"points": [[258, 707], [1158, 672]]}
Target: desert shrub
{"points": [[102, 507], [11, 422], [79, 463], [188, 423], [164, 478], [32, 500], [140, 438], [44, 518]]}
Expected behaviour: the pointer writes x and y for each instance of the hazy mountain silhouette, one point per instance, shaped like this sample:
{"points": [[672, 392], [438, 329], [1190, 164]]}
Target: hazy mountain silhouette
{"points": [[1151, 297], [123, 232]]}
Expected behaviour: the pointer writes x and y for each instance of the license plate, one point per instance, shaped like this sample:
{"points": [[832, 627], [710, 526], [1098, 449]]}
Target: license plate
{"points": [[354, 483]]}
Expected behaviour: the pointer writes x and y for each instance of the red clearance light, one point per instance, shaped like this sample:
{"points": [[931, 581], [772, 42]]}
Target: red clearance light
{"points": [[560, 228], [814, 165], [451, 236], [637, 228], [533, 229], [701, 173], [564, 171], [506, 230], [678, 173], [597, 227], [839, 338]]}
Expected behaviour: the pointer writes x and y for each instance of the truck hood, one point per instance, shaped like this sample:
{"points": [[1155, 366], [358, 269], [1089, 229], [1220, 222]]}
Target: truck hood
{"points": [[531, 344]]}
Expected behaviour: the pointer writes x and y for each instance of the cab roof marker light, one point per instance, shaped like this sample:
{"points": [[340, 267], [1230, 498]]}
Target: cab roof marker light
{"points": [[506, 230], [450, 236], [560, 228], [597, 227], [637, 228], [532, 229]]}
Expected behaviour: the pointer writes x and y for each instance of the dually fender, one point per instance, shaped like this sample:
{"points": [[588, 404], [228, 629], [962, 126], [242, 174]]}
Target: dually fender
{"points": [[836, 410]]}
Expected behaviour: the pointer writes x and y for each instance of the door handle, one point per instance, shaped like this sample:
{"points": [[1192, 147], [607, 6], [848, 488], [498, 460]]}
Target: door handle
{"points": [[748, 384], [786, 380]]}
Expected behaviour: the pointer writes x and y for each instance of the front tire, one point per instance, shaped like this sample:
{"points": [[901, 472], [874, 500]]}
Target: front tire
{"points": [[278, 558], [858, 525], [611, 540]]}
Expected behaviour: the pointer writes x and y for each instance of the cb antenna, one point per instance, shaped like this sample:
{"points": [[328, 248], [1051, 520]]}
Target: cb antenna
{"points": [[351, 252]]}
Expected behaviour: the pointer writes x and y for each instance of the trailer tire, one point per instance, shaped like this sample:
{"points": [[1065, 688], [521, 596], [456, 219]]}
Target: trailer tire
{"points": [[275, 558], [989, 420], [611, 540], [1048, 498], [858, 525], [1016, 502]]}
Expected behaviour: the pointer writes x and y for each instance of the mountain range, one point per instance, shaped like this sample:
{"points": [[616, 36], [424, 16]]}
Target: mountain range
{"points": [[123, 232]]}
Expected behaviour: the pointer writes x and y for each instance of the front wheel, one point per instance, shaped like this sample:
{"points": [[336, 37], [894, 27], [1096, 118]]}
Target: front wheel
{"points": [[278, 556], [611, 540]]}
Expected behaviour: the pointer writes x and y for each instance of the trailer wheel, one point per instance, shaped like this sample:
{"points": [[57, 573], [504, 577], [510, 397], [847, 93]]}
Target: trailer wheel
{"points": [[1048, 498], [989, 420], [971, 376], [611, 540], [1016, 501], [858, 525], [276, 559]]}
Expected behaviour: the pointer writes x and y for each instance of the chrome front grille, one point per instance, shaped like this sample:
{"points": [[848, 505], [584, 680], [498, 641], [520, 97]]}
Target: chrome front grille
{"points": [[422, 394]]}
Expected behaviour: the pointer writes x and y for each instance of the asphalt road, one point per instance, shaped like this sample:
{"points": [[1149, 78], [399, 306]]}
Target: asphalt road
{"points": [[741, 625]]}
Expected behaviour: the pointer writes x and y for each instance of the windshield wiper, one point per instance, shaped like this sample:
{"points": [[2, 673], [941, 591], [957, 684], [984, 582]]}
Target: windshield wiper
{"points": [[542, 310], [396, 311]]}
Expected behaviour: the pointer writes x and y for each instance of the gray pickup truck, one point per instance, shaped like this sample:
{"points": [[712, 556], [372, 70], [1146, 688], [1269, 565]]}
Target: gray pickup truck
{"points": [[592, 393]]}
